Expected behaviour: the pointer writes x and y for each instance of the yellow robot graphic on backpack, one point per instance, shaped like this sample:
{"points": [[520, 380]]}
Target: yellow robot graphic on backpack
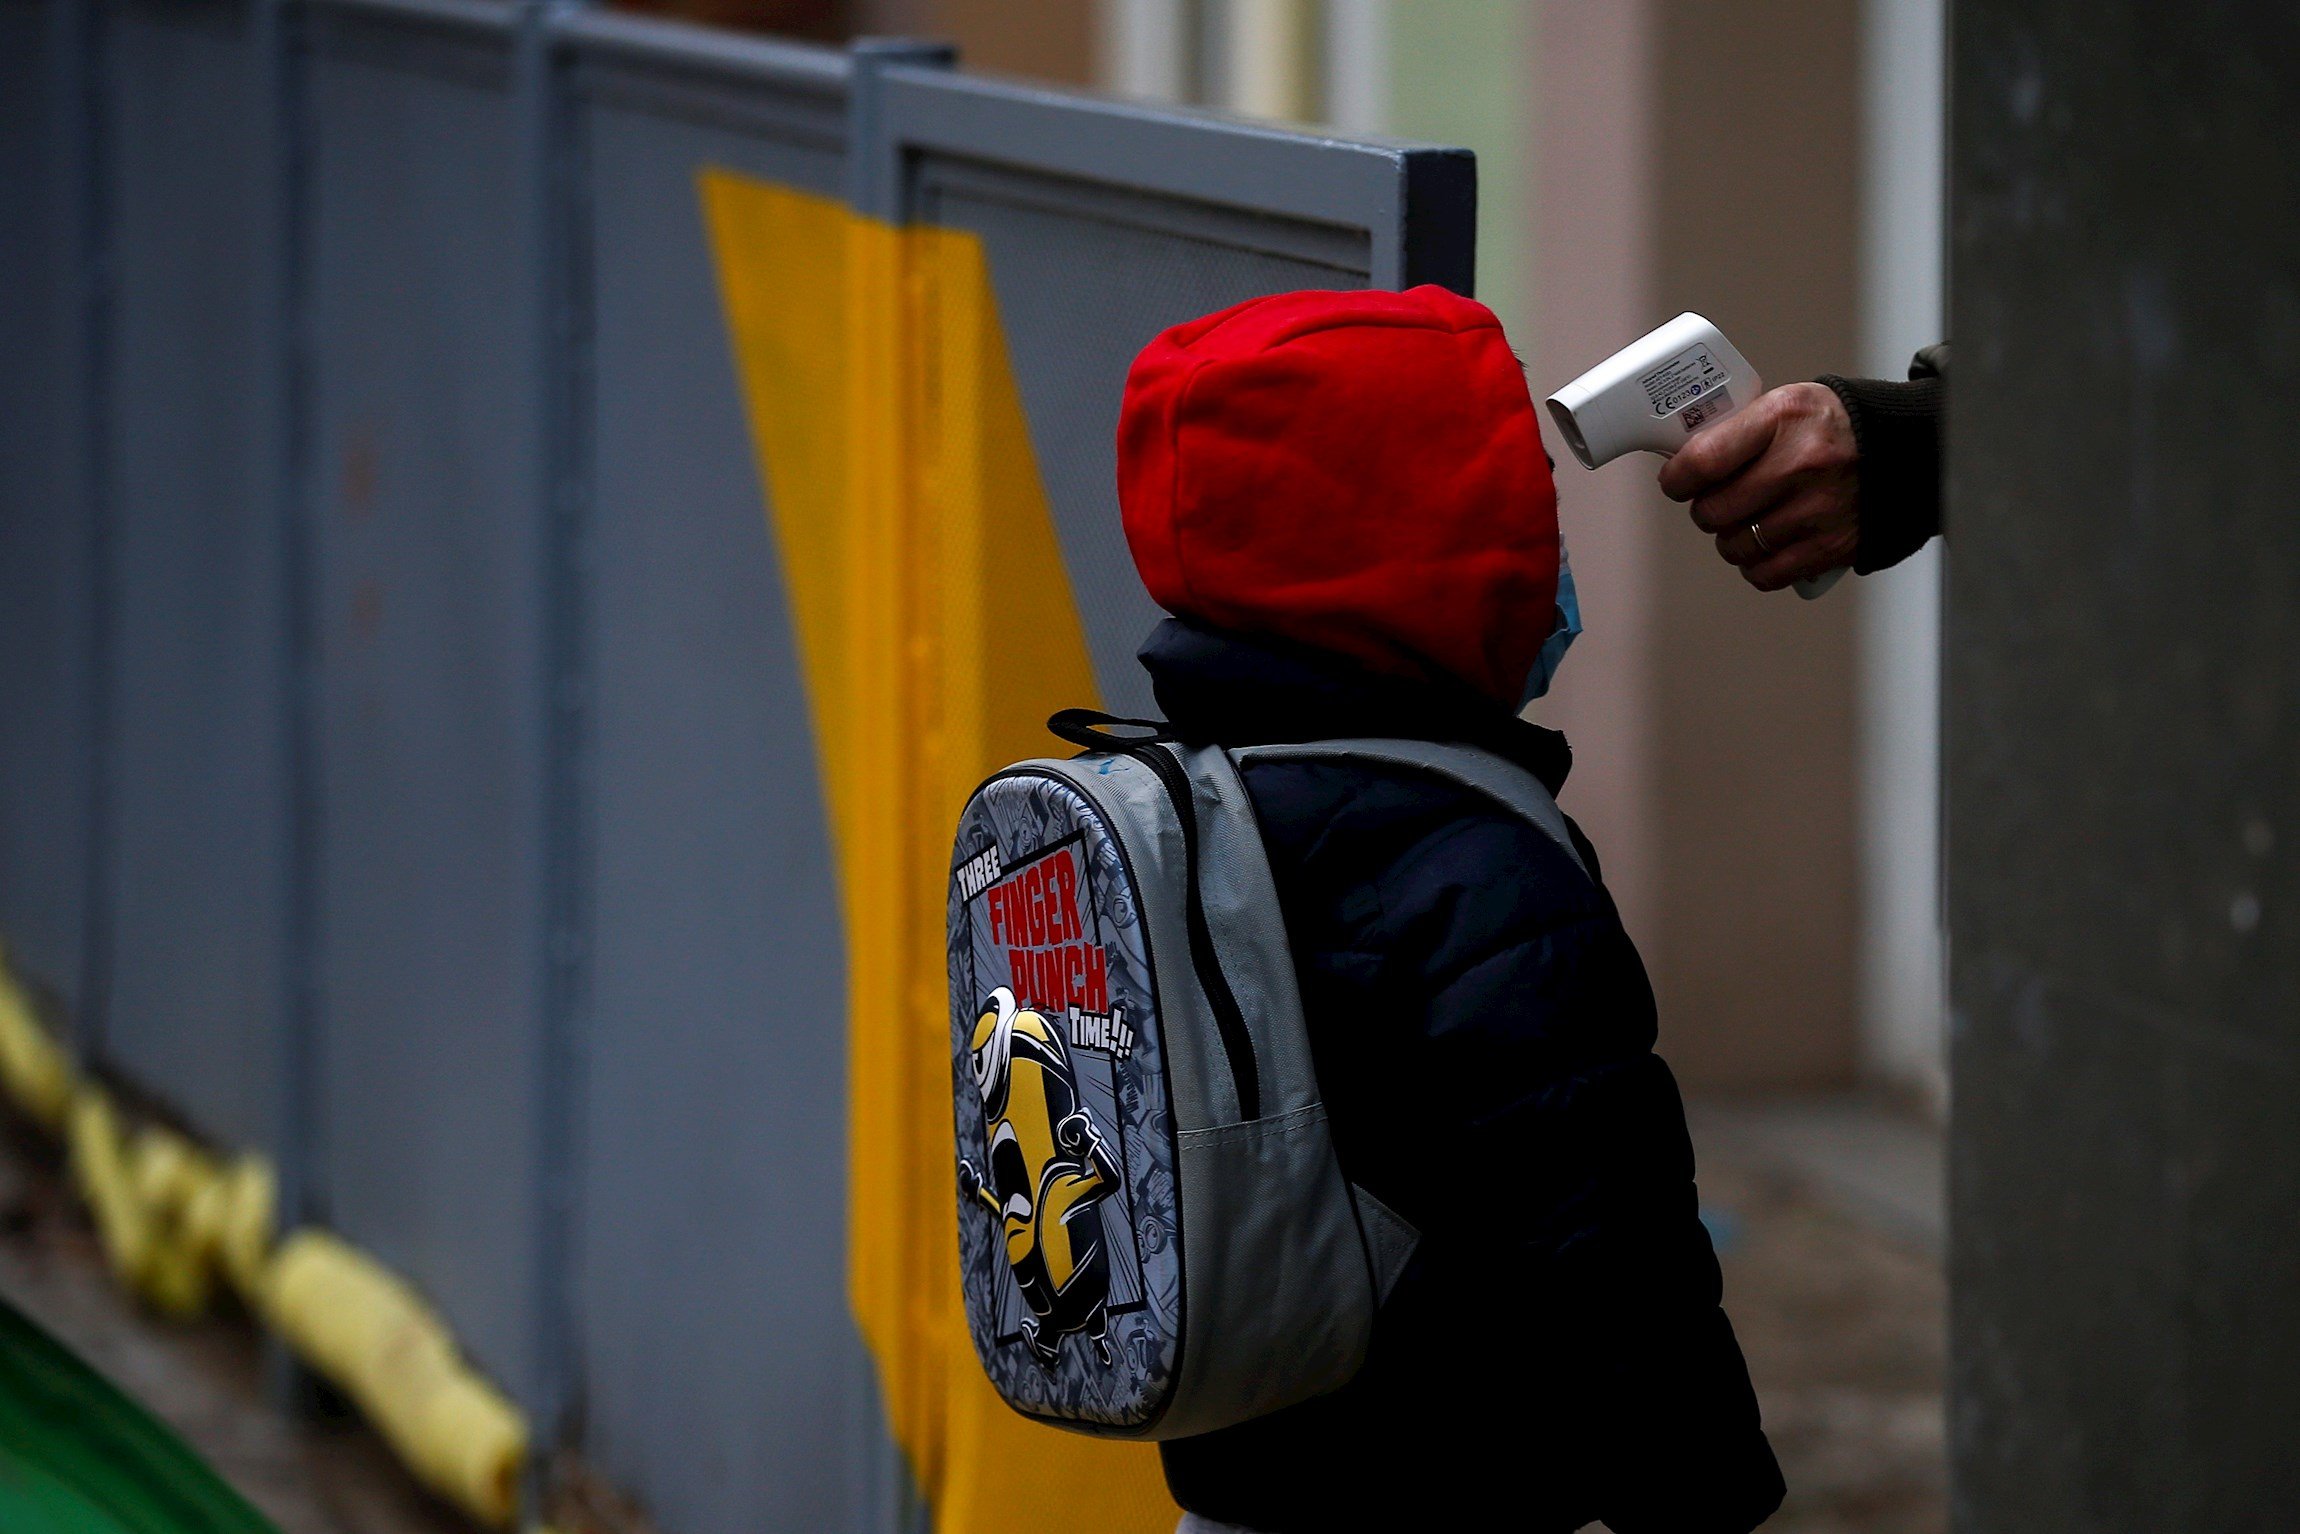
{"points": [[1047, 1176]]}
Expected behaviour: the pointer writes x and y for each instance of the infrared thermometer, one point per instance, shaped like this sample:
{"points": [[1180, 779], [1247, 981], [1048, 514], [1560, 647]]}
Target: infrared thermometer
{"points": [[1655, 393]]}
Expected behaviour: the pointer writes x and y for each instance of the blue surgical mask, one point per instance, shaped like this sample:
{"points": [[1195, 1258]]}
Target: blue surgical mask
{"points": [[1561, 637]]}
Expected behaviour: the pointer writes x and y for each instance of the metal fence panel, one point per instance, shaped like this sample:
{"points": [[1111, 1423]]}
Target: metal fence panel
{"points": [[715, 1337], [580, 1051], [199, 813], [429, 615], [45, 589]]}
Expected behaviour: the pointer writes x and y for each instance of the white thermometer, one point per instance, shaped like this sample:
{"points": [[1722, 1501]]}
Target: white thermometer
{"points": [[1656, 392]]}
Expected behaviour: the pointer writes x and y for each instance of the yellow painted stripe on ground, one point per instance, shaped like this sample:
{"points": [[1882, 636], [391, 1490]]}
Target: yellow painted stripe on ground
{"points": [[938, 630]]}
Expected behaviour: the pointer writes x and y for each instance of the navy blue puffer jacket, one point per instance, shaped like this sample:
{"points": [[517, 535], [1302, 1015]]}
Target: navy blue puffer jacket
{"points": [[1483, 1031]]}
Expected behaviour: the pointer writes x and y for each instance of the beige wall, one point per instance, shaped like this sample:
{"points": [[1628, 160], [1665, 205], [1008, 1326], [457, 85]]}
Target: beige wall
{"points": [[1696, 154], [1758, 225], [1045, 39], [1592, 277]]}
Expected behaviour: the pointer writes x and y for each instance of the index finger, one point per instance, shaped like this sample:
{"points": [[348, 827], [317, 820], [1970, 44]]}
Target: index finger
{"points": [[1717, 453]]}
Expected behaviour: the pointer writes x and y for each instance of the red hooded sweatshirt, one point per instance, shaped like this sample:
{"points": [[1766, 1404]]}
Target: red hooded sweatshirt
{"points": [[1361, 472]]}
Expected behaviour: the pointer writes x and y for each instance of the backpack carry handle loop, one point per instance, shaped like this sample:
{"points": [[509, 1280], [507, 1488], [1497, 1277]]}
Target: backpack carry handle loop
{"points": [[1087, 729]]}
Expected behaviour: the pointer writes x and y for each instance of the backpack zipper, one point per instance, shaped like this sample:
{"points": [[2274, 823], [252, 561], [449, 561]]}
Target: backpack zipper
{"points": [[1229, 1020]]}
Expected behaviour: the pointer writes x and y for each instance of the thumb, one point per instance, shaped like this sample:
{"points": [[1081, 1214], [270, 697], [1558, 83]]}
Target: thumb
{"points": [[1717, 453]]}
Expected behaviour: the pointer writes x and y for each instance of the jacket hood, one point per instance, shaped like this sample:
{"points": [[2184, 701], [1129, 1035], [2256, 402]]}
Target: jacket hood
{"points": [[1359, 472]]}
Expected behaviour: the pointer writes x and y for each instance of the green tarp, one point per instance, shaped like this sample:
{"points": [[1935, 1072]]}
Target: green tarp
{"points": [[78, 1457]]}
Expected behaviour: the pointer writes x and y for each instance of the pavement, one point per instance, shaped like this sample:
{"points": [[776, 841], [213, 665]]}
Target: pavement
{"points": [[1827, 1215], [321, 1472], [1872, 1163]]}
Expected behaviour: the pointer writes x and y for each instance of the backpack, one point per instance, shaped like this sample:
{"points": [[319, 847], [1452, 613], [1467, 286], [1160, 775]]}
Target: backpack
{"points": [[1155, 1237]]}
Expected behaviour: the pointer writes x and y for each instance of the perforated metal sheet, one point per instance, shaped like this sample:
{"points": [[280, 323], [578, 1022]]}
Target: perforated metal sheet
{"points": [[44, 590], [199, 837], [1084, 279], [428, 615], [720, 1359]]}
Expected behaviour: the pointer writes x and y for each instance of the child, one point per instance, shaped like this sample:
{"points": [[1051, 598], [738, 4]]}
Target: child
{"points": [[1343, 500]]}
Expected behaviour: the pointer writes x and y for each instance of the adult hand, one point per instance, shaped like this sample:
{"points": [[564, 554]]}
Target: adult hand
{"points": [[1778, 485]]}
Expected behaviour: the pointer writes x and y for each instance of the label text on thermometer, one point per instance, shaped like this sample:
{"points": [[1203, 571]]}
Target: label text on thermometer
{"points": [[1683, 379]]}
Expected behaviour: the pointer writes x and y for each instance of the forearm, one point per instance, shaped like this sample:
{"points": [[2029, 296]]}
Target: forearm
{"points": [[1898, 427]]}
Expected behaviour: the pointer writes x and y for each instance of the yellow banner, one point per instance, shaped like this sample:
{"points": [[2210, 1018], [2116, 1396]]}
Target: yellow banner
{"points": [[938, 631]]}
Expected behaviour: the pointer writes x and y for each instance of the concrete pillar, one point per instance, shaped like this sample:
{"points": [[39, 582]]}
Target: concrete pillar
{"points": [[2123, 721], [1143, 48], [1267, 46]]}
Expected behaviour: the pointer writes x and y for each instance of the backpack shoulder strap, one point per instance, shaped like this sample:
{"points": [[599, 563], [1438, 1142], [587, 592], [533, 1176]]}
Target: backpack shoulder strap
{"points": [[1484, 772]]}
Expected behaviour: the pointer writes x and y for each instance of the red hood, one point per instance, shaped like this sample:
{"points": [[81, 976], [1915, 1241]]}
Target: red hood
{"points": [[1361, 472]]}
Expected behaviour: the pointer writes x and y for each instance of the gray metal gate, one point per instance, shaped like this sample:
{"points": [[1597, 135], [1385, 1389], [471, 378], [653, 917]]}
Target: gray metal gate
{"points": [[428, 629], [728, 1384], [193, 886], [369, 427], [48, 504], [1104, 224]]}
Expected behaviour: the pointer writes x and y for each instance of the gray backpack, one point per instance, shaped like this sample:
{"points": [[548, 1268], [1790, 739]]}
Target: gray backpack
{"points": [[1155, 1239]]}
